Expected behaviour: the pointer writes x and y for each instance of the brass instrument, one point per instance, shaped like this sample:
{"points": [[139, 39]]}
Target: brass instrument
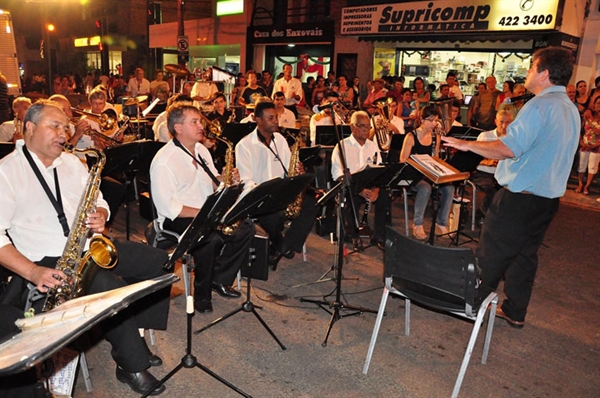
{"points": [[80, 269], [443, 127], [293, 209], [108, 121], [215, 132], [381, 127]]}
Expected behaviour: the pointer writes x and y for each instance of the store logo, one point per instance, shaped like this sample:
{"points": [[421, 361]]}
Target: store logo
{"points": [[526, 5]]}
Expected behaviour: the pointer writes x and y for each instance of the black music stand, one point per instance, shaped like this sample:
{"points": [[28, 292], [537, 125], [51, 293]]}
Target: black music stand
{"points": [[6, 148], [359, 181], [128, 159], [327, 135], [269, 197], [201, 227]]}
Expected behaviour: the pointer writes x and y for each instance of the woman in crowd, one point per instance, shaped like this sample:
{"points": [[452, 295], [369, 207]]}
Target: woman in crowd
{"points": [[406, 111], [317, 94], [507, 90], [420, 141], [589, 148], [423, 96], [582, 98], [346, 94]]}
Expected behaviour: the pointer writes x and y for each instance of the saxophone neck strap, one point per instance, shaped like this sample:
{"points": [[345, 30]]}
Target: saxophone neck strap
{"points": [[56, 201], [276, 154], [200, 161]]}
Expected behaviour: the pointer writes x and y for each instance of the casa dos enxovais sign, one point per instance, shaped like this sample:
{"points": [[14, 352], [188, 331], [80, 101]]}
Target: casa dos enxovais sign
{"points": [[292, 33], [450, 16]]}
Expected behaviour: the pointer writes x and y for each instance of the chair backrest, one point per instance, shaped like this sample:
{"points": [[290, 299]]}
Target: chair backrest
{"points": [[438, 277]]}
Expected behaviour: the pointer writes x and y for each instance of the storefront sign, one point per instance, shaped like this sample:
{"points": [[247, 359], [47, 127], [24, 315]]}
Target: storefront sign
{"points": [[449, 16], [292, 33]]}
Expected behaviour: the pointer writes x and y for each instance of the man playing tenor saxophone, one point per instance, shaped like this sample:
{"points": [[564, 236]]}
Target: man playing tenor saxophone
{"points": [[37, 237]]}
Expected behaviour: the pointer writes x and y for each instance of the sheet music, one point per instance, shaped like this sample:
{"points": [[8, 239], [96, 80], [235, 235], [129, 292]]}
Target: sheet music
{"points": [[433, 166]]}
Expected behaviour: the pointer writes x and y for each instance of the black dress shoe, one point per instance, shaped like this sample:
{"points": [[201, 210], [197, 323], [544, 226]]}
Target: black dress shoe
{"points": [[203, 306], [358, 244], [139, 382], [225, 291], [273, 259], [379, 243], [155, 360], [289, 254]]}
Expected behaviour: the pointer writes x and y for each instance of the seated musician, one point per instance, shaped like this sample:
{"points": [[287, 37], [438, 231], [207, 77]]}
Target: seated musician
{"points": [[12, 130], [285, 117], [84, 138], [359, 152], [484, 176], [383, 124], [220, 113], [38, 237], [323, 118], [420, 141], [182, 175], [261, 156], [160, 127]]}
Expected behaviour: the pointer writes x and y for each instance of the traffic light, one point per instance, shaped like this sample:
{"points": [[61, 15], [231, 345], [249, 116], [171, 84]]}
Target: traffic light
{"points": [[50, 27]]}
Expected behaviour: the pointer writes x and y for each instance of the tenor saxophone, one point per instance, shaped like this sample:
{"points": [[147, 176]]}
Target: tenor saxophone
{"points": [[293, 209], [80, 269]]}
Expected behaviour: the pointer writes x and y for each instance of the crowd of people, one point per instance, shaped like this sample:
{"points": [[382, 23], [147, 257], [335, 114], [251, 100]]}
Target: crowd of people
{"points": [[527, 147]]}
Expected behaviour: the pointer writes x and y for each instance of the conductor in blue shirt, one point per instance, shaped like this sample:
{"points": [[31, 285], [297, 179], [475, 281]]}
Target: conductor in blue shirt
{"points": [[535, 160]]}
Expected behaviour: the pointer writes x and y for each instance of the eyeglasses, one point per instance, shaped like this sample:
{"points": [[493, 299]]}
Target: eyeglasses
{"points": [[363, 126]]}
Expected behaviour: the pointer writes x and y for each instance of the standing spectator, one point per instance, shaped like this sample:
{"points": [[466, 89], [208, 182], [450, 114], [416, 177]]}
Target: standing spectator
{"points": [[535, 162], [291, 87], [308, 90], [572, 93], [422, 96], [589, 149], [507, 92], [582, 99], [377, 92], [454, 87], [239, 87], [397, 89], [252, 91], [346, 93], [515, 107], [318, 92], [444, 92], [267, 82], [406, 110], [483, 111], [357, 93], [331, 81]]}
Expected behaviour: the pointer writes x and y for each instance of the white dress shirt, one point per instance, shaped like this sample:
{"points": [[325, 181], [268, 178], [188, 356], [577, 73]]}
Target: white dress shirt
{"points": [[178, 180], [7, 131], [26, 212], [287, 119], [134, 88], [491, 135], [204, 90], [357, 156], [162, 117], [289, 87], [256, 163], [322, 119]]}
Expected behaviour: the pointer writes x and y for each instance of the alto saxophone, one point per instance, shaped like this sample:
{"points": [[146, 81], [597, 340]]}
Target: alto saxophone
{"points": [[80, 269], [214, 132], [293, 209]]}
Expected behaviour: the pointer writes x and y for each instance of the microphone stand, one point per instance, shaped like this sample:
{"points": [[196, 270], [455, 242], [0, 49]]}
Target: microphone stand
{"points": [[335, 307]]}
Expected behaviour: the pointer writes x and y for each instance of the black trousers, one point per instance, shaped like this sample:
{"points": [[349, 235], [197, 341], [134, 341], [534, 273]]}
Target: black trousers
{"points": [[137, 262], [218, 259], [382, 206], [299, 228], [488, 184], [512, 233]]}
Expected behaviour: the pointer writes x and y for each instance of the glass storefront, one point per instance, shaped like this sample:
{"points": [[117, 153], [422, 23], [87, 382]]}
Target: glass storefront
{"points": [[471, 68]]}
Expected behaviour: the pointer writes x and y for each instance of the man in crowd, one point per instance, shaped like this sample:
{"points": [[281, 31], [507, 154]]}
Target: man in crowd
{"points": [[453, 86], [377, 92], [220, 113], [158, 84], [182, 176], [360, 152], [8, 129], [535, 156], [483, 111], [515, 107], [38, 238], [291, 87], [252, 92], [138, 85], [261, 156], [266, 82]]}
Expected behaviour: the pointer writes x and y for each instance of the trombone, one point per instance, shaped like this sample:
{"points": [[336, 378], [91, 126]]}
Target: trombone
{"points": [[107, 120]]}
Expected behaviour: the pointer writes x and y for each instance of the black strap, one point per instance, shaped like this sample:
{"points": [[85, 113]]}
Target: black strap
{"points": [[264, 141], [56, 202], [200, 161]]}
